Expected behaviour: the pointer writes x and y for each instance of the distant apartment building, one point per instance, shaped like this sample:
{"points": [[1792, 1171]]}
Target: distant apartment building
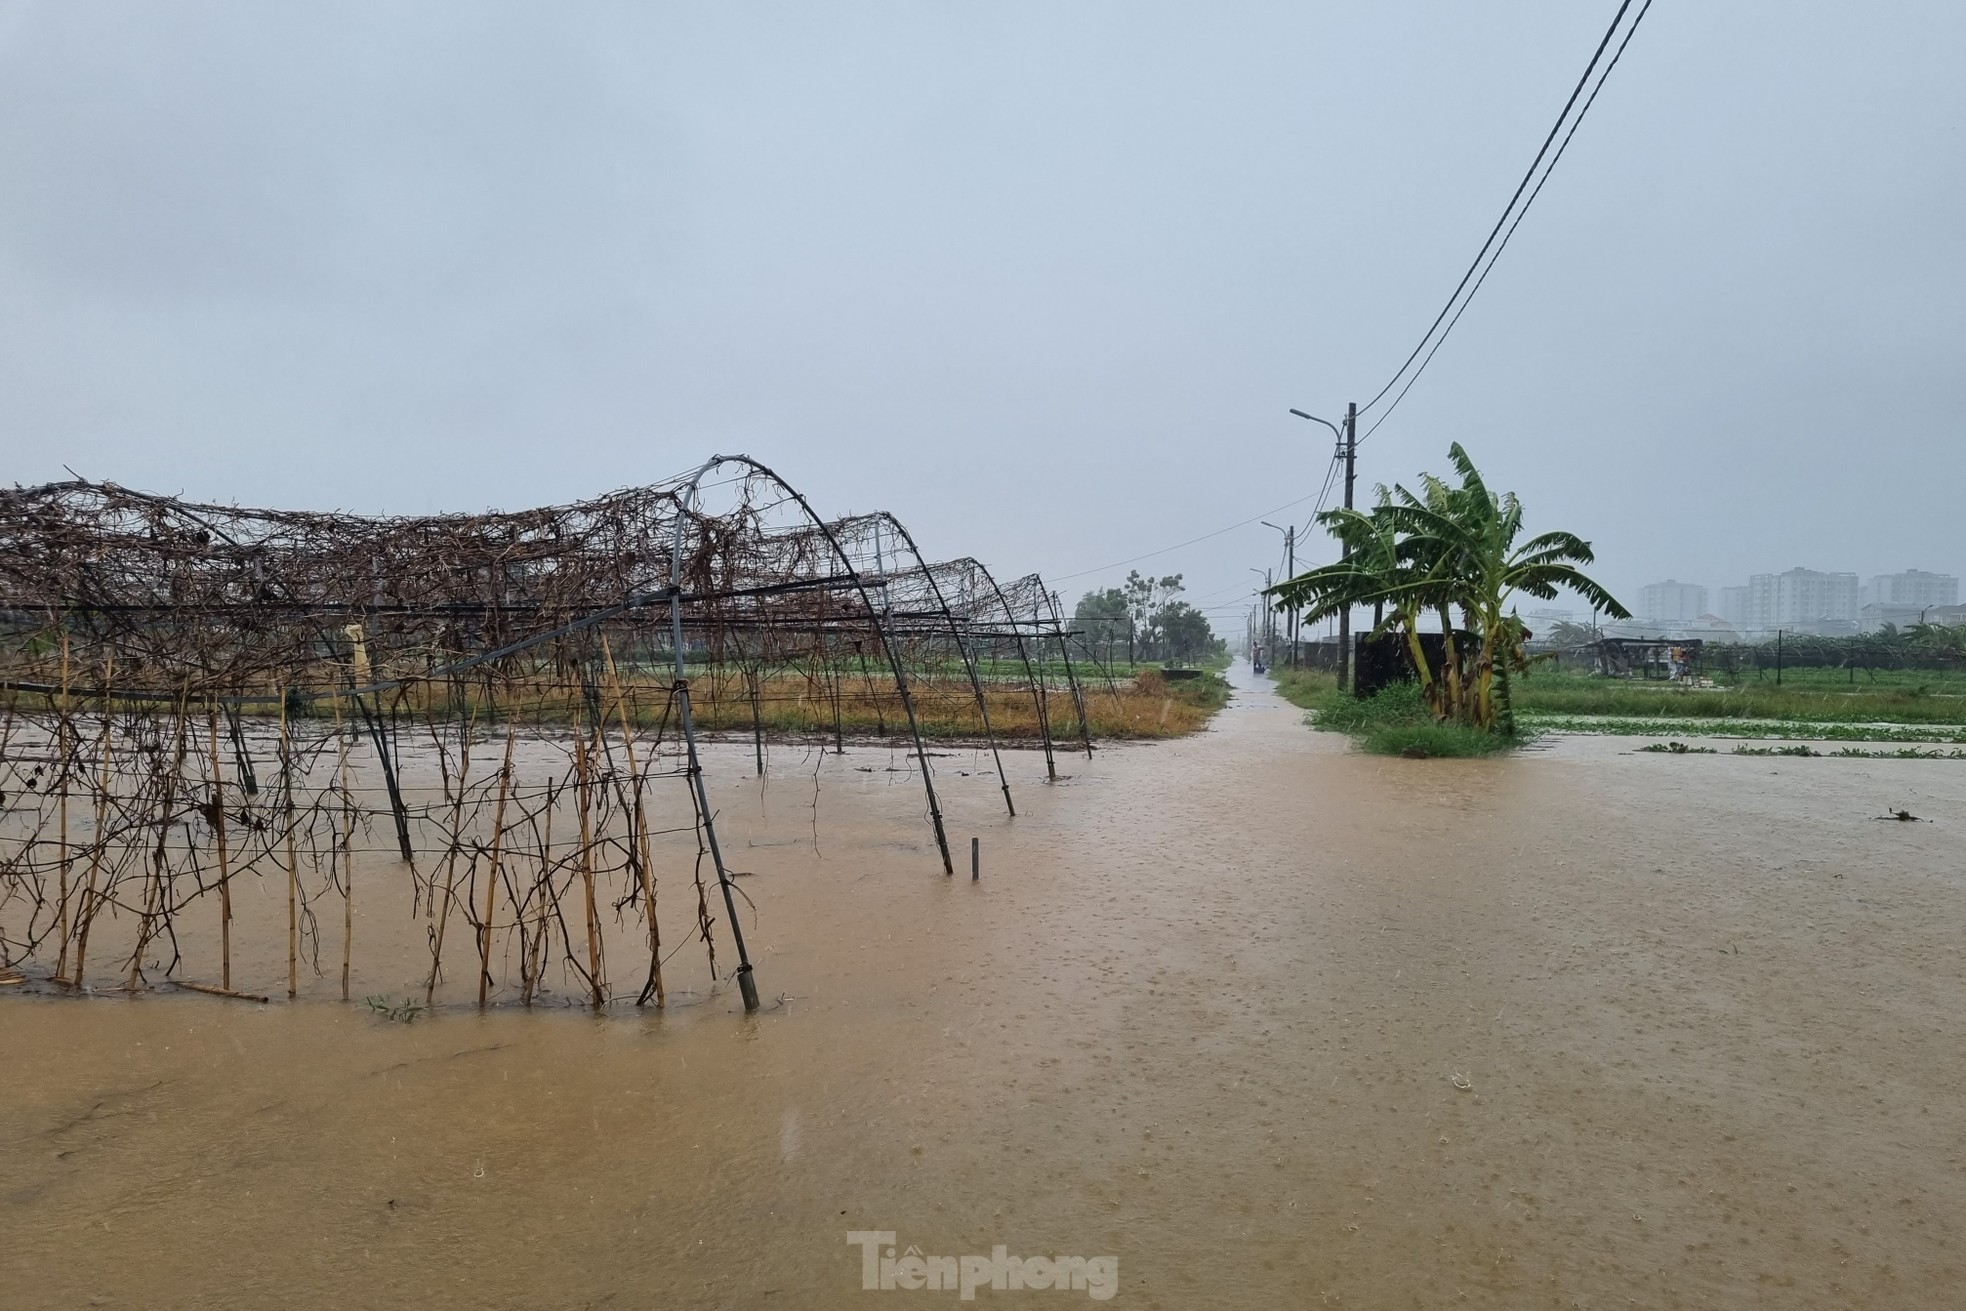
{"points": [[1735, 605], [1672, 602], [1914, 587], [1803, 599]]}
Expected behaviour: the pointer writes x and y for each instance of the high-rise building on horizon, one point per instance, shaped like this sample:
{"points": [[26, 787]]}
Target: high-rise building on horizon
{"points": [[1913, 587], [1804, 599], [1672, 601]]}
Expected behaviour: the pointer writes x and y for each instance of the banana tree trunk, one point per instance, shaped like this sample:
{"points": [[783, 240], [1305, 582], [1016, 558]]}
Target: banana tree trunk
{"points": [[1504, 703], [1451, 659], [1485, 679], [1409, 622]]}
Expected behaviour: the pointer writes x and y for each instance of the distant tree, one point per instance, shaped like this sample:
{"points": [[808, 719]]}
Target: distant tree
{"points": [[1566, 633], [1146, 597], [1106, 619], [1133, 614], [1184, 632]]}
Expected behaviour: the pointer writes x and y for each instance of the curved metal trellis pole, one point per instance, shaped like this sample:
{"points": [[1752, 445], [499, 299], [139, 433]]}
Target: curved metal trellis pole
{"points": [[962, 649], [746, 984], [880, 627], [1065, 650], [1030, 670]]}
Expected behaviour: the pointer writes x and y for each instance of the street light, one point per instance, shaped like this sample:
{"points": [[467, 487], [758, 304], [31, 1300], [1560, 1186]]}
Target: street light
{"points": [[1348, 452], [1289, 572], [1336, 431], [1269, 615]]}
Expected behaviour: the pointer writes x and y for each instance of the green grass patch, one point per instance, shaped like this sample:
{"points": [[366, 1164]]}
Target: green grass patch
{"points": [[1814, 700], [1395, 722], [1772, 729]]}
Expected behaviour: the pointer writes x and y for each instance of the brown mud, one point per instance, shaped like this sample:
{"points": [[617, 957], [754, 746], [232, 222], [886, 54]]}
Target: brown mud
{"points": [[1210, 1010]]}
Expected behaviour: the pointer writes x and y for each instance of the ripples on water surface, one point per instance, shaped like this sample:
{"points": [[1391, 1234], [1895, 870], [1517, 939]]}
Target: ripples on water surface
{"points": [[1203, 1013]]}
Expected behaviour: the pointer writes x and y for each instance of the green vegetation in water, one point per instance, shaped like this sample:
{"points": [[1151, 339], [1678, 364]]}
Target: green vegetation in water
{"points": [[1395, 722], [1854, 753], [1773, 729], [1679, 749], [403, 1012], [1540, 694]]}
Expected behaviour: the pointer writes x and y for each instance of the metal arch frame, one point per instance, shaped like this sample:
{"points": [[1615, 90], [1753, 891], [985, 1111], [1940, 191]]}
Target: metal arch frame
{"points": [[962, 649], [1064, 649], [688, 497], [1016, 631]]}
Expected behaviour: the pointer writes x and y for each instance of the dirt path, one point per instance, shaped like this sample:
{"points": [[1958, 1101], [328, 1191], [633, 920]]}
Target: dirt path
{"points": [[1209, 1012]]}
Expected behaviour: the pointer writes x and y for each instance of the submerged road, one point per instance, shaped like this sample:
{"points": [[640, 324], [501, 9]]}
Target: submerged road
{"points": [[1270, 1023]]}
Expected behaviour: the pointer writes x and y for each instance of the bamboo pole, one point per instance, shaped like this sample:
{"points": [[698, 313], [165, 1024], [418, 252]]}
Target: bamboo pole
{"points": [[491, 878], [224, 870], [450, 865], [153, 902], [530, 977], [293, 860], [584, 801], [85, 911], [62, 751], [347, 855], [641, 831], [219, 992]]}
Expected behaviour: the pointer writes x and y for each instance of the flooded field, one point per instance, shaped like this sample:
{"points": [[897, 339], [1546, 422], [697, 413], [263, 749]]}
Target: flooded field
{"points": [[1270, 1023]]}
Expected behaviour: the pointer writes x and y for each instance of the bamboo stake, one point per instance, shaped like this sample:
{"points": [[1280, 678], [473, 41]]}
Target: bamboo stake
{"points": [[491, 878], [641, 830], [219, 992], [580, 766], [347, 855], [62, 762], [293, 860], [450, 866], [224, 871], [530, 977], [153, 903], [85, 911]]}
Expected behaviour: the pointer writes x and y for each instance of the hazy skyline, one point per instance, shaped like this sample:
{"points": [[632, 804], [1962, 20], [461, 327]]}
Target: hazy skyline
{"points": [[1042, 280]]}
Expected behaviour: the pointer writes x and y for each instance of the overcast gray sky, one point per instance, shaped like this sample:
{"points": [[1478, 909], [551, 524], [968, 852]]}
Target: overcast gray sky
{"points": [[1040, 278]]}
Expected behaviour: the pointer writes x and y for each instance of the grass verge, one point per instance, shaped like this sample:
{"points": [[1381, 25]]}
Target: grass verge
{"points": [[1544, 693], [1395, 722]]}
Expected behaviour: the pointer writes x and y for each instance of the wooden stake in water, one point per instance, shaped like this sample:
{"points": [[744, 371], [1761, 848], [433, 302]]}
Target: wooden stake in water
{"points": [[293, 855], [347, 855], [640, 816], [975, 859], [62, 753], [85, 911], [224, 872], [530, 973], [155, 905], [450, 865], [583, 800], [491, 876]]}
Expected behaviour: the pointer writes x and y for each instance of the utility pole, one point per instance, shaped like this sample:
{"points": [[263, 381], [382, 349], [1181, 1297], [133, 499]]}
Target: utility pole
{"points": [[1290, 571], [1349, 448]]}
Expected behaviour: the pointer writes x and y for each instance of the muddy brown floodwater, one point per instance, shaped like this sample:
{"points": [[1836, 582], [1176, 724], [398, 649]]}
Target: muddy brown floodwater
{"points": [[1273, 1024]]}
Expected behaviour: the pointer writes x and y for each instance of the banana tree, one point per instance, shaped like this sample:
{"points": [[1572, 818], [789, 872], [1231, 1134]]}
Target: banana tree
{"points": [[1372, 572], [1451, 547]]}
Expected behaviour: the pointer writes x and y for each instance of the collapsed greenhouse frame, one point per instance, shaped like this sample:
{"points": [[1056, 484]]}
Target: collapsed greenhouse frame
{"points": [[196, 694]]}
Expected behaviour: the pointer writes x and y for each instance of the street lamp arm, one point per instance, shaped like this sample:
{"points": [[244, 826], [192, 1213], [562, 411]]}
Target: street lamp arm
{"points": [[1335, 430]]}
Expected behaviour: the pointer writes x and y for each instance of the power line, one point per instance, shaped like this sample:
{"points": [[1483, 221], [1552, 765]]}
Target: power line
{"points": [[1554, 161], [1503, 221], [1255, 518]]}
